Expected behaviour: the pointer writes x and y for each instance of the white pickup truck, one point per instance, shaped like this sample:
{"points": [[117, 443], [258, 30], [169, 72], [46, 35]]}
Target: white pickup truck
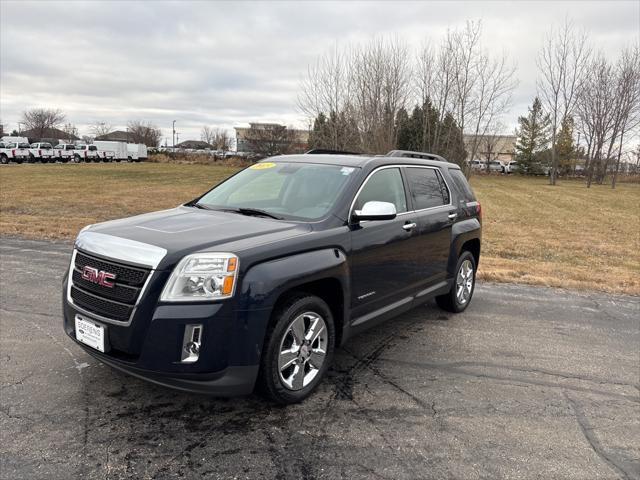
{"points": [[14, 152], [64, 152], [86, 153], [41, 151], [106, 155]]}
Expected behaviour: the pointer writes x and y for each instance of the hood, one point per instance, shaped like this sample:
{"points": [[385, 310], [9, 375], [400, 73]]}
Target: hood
{"points": [[185, 230]]}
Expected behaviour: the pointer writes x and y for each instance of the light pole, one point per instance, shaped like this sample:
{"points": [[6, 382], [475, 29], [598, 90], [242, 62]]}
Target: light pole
{"points": [[173, 138]]}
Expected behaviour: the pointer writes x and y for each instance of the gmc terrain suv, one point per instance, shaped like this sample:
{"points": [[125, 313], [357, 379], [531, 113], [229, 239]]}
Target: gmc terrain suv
{"points": [[256, 282]]}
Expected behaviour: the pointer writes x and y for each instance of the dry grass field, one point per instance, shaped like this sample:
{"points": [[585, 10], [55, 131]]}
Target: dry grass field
{"points": [[564, 236]]}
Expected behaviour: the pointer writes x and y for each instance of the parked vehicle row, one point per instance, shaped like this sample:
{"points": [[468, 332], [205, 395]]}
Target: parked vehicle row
{"points": [[22, 151], [494, 166]]}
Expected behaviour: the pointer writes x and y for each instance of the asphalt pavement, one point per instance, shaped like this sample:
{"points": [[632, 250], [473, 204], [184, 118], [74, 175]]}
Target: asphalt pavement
{"points": [[527, 383]]}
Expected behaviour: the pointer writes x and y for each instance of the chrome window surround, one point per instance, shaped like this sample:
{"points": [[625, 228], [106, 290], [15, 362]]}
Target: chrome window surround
{"points": [[119, 250], [400, 166]]}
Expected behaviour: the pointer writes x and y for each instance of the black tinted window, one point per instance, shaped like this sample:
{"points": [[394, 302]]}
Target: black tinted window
{"points": [[426, 188], [93, 148], [384, 186], [462, 185]]}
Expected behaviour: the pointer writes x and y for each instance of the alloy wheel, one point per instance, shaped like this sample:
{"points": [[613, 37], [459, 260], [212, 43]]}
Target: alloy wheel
{"points": [[464, 282], [303, 350]]}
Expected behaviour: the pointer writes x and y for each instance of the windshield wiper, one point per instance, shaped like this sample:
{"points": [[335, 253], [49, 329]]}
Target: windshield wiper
{"points": [[240, 210], [201, 206], [257, 211]]}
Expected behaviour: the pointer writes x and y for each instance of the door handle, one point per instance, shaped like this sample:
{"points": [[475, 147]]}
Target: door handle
{"points": [[409, 226], [452, 216]]}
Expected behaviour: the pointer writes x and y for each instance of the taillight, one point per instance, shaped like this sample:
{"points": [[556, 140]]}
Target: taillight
{"points": [[13, 152], [39, 153], [479, 211], [85, 154]]}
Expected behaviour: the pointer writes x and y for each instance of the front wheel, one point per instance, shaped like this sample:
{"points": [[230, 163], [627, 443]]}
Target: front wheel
{"points": [[298, 349], [459, 297]]}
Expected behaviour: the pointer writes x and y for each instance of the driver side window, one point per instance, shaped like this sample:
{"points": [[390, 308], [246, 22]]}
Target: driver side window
{"points": [[384, 186]]}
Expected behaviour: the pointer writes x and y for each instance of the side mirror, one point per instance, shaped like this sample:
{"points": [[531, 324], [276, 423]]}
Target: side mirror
{"points": [[375, 211]]}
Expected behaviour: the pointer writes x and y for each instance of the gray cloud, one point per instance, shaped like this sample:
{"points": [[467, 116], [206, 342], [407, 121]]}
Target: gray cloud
{"points": [[226, 64]]}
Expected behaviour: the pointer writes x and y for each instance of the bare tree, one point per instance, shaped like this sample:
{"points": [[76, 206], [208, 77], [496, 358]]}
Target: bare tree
{"points": [[144, 132], [207, 134], [326, 91], [627, 112], [218, 137], [40, 120], [99, 129], [562, 62], [463, 80], [608, 107]]}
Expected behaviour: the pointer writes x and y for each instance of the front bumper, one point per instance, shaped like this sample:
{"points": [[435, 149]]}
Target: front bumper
{"points": [[150, 347], [230, 382]]}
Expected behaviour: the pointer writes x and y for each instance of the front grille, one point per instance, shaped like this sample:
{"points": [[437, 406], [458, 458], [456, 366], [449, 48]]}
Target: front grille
{"points": [[115, 303]]}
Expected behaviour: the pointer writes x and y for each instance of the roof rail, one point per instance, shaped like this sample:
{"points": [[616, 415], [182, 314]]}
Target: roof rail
{"points": [[408, 153], [328, 151]]}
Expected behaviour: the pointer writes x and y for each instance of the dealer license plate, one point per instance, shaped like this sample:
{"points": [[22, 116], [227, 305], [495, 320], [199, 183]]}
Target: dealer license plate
{"points": [[90, 333]]}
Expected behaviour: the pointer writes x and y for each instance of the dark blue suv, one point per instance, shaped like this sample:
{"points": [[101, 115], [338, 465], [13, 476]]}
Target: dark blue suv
{"points": [[257, 281]]}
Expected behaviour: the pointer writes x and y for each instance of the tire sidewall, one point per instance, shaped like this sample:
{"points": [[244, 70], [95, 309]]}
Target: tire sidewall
{"points": [[283, 318]]}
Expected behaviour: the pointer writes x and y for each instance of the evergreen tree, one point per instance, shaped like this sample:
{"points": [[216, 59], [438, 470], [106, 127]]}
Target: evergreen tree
{"points": [[533, 136], [565, 149]]}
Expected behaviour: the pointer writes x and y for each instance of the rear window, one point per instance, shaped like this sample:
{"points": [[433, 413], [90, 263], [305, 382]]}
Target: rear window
{"points": [[69, 147], [23, 145], [427, 189], [93, 148], [45, 145], [462, 185]]}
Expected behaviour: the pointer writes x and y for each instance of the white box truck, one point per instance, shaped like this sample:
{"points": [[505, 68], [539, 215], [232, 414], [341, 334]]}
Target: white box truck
{"points": [[137, 151], [119, 149]]}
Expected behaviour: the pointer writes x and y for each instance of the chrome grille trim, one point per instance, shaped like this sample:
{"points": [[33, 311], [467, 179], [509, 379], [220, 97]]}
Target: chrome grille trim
{"points": [[95, 315]]}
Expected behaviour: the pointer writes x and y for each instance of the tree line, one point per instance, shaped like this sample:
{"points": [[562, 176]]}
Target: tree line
{"points": [[383, 95]]}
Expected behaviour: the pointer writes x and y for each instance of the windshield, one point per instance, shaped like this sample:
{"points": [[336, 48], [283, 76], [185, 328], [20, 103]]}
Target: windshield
{"points": [[294, 191]]}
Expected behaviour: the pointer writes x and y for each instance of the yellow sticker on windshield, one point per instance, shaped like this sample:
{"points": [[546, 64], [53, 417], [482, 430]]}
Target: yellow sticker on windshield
{"points": [[262, 166]]}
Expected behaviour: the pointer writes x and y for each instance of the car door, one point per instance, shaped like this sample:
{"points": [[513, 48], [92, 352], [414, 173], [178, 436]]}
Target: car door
{"points": [[383, 251], [434, 215]]}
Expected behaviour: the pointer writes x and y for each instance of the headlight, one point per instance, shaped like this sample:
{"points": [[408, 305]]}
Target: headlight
{"points": [[202, 276]]}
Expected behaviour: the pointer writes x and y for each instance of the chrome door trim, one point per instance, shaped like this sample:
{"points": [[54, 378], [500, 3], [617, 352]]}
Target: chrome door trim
{"points": [[401, 166], [120, 249]]}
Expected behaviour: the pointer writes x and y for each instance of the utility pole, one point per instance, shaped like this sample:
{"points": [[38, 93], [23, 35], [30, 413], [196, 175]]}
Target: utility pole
{"points": [[177, 137], [173, 138]]}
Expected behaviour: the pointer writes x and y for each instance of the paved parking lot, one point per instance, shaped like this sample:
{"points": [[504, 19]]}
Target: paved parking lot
{"points": [[528, 383]]}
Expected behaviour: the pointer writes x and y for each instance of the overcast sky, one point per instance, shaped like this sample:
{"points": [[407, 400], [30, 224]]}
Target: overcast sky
{"points": [[227, 64]]}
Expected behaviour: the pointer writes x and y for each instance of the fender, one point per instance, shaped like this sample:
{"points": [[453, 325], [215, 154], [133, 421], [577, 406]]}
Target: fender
{"points": [[263, 284], [462, 232]]}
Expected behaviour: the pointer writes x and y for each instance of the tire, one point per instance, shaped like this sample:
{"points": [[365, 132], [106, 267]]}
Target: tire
{"points": [[456, 302], [77, 159], [291, 378], [4, 159], [129, 159], [18, 161]]}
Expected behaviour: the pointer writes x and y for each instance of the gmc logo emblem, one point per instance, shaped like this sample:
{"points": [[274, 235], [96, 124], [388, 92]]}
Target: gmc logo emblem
{"points": [[100, 277]]}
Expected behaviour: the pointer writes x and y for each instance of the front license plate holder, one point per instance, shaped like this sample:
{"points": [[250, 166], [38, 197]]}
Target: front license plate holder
{"points": [[90, 333]]}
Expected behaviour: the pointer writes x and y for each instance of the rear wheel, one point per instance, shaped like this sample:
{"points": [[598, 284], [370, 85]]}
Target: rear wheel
{"points": [[18, 160], [4, 159], [459, 297], [298, 349]]}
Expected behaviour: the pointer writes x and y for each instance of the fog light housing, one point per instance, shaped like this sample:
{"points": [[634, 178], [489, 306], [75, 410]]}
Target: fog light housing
{"points": [[191, 343]]}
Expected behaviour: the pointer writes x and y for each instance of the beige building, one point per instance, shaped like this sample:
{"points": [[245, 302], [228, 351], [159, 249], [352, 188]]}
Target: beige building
{"points": [[492, 147], [299, 139]]}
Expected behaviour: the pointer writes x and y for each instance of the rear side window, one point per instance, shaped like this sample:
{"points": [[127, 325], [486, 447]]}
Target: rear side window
{"points": [[93, 148], [383, 186], [427, 188], [462, 185]]}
